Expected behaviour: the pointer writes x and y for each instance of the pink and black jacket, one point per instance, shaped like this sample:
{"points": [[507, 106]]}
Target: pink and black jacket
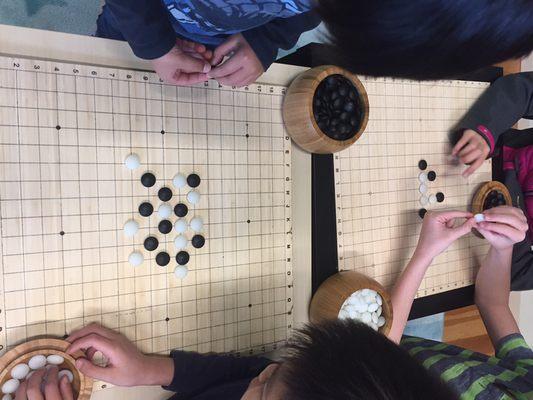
{"points": [[500, 107]]}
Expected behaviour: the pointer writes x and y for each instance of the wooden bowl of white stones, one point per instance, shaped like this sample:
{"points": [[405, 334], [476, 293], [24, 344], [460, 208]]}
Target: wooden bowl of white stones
{"points": [[352, 295], [18, 364], [325, 109]]}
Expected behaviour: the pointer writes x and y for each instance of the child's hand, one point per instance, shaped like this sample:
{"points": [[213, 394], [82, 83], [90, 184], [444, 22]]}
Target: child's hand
{"points": [[503, 227], [44, 384], [471, 149], [241, 68], [439, 231], [126, 365], [186, 64]]}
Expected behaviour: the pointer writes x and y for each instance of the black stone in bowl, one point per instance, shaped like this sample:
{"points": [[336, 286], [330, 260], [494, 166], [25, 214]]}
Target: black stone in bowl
{"points": [[494, 199], [337, 107]]}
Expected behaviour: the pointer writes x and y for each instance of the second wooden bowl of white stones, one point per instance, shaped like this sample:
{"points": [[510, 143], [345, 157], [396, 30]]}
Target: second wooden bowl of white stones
{"points": [[352, 295]]}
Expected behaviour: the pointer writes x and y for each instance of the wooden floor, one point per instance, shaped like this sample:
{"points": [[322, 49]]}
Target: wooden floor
{"points": [[463, 327]]}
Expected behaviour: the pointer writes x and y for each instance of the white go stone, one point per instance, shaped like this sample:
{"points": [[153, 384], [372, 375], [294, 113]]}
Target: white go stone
{"points": [[136, 258], [181, 271], [179, 181], [67, 373], [343, 314], [379, 311], [180, 242], [373, 307], [37, 362], [423, 177], [7, 397], [432, 199], [164, 211], [20, 371], [55, 359], [132, 161], [479, 217], [131, 227], [423, 189], [374, 318], [181, 225], [10, 386], [365, 292], [366, 317], [197, 224], [379, 300], [381, 321], [424, 200], [374, 326], [193, 197]]}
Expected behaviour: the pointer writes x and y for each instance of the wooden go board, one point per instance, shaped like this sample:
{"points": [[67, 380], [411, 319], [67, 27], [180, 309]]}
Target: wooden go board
{"points": [[377, 182], [65, 194]]}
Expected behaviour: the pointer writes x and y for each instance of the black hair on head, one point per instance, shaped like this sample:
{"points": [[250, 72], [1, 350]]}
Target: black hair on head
{"points": [[347, 360], [426, 39]]}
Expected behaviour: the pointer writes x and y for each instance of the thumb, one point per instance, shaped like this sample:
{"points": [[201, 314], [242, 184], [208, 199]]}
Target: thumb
{"points": [[223, 50], [189, 63], [86, 367]]}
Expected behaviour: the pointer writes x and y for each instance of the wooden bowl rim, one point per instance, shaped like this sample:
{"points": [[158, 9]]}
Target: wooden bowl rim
{"points": [[323, 72], [45, 347], [484, 190], [378, 287]]}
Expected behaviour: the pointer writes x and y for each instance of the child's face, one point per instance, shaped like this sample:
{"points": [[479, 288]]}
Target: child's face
{"points": [[264, 386]]}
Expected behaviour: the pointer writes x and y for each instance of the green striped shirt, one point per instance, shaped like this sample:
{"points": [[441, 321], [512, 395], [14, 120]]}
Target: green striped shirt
{"points": [[475, 376]]}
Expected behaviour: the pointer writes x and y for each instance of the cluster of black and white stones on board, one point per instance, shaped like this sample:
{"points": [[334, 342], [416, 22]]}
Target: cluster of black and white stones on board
{"points": [[165, 227], [337, 107], [427, 198]]}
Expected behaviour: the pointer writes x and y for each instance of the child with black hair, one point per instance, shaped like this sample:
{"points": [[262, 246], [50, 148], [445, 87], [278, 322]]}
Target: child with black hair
{"points": [[347, 360], [189, 41], [426, 39]]}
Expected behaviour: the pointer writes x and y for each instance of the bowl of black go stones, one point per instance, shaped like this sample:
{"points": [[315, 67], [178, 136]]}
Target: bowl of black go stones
{"points": [[489, 195], [325, 109]]}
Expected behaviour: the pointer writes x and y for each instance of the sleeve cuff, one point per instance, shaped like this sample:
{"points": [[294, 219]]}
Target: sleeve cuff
{"points": [[154, 50], [488, 136], [263, 51], [508, 343]]}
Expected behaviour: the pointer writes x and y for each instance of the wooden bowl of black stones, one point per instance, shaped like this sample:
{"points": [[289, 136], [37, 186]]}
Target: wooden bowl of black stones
{"points": [[489, 195], [325, 109]]}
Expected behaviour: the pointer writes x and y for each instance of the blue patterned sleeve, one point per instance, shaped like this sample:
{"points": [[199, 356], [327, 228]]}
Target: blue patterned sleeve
{"points": [[280, 33]]}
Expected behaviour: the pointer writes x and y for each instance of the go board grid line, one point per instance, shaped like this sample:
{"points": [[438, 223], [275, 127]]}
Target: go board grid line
{"points": [[20, 189], [64, 214]]}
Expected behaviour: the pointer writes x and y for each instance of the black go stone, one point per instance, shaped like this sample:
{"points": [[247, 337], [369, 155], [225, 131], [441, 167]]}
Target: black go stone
{"points": [[151, 243], [198, 241], [181, 210], [182, 258], [164, 194], [494, 199], [146, 209], [148, 179], [337, 107], [432, 175], [162, 259], [193, 180], [422, 164], [440, 197], [165, 226], [422, 212]]}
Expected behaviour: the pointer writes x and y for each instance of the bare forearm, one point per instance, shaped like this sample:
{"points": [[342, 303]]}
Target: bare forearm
{"points": [[404, 292], [493, 281], [492, 294], [159, 371]]}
